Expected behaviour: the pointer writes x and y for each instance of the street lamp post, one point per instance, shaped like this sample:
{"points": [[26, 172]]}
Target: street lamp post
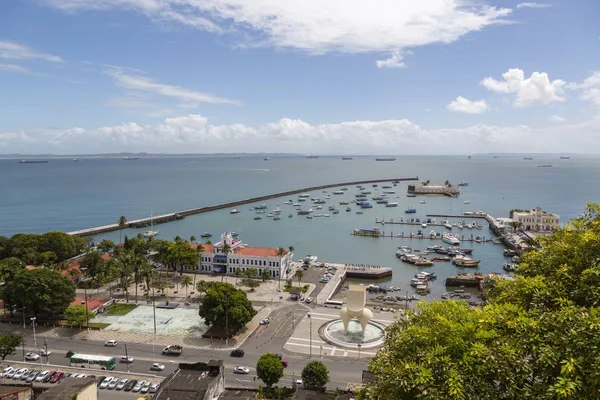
{"points": [[310, 334], [359, 351], [321, 351], [34, 339]]}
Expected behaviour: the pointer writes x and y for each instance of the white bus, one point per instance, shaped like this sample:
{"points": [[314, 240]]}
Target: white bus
{"points": [[92, 361], [334, 304]]}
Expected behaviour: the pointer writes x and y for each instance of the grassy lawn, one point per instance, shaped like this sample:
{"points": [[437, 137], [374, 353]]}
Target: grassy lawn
{"points": [[119, 309]]}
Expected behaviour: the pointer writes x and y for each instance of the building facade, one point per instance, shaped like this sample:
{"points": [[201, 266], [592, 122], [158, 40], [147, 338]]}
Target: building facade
{"points": [[536, 220], [230, 254]]}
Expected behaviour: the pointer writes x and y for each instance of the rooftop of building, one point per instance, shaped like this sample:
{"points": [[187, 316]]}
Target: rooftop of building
{"points": [[6, 390], [92, 303], [67, 389], [190, 381], [245, 251]]}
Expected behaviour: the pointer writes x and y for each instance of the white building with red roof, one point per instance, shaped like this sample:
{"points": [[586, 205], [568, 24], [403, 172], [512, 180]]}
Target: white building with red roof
{"points": [[242, 257]]}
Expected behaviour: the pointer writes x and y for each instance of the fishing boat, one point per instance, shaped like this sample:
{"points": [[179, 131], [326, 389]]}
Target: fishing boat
{"points": [[410, 210], [463, 183], [206, 235], [411, 195], [423, 202], [267, 158], [234, 211], [291, 216], [462, 261], [258, 217], [348, 209], [130, 158], [343, 203], [392, 204]]}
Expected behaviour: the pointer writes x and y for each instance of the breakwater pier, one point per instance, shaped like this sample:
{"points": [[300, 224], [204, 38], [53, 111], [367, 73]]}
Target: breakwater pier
{"points": [[142, 222]]}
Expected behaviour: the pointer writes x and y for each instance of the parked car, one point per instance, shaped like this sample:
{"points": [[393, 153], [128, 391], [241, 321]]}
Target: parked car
{"points": [[113, 383], [157, 367], [237, 353], [154, 387], [122, 384], [284, 363], [49, 376], [5, 372], [32, 356], [241, 370], [57, 377], [127, 359], [138, 386], [20, 372], [100, 379], [145, 387], [309, 300], [105, 382], [81, 376], [110, 343], [12, 373], [42, 375], [31, 377], [298, 382], [130, 385]]}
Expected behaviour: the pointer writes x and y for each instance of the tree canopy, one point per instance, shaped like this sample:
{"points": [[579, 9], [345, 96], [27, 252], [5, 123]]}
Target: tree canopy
{"points": [[8, 343], [77, 315], [269, 369], [30, 247], [315, 373], [224, 305], [538, 336]]}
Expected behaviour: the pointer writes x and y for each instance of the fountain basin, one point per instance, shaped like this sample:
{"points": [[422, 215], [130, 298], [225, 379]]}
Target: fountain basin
{"points": [[333, 333]]}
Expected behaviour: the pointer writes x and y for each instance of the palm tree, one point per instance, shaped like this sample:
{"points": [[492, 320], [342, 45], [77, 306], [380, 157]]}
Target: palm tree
{"points": [[299, 273], [122, 224], [192, 239], [280, 252], [146, 273], [291, 249], [185, 282], [238, 274], [226, 249], [200, 250]]}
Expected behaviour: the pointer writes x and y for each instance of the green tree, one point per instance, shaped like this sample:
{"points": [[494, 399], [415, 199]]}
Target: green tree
{"points": [[185, 283], [77, 315], [224, 305], [238, 274], [299, 274], [8, 344], [315, 373], [40, 292], [47, 258], [93, 266], [269, 369], [60, 243], [192, 239], [106, 245], [251, 273], [266, 275], [124, 265], [122, 224]]}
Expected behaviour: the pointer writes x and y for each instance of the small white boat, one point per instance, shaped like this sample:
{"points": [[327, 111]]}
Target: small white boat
{"points": [[424, 225], [448, 238], [234, 211], [309, 258], [467, 202], [392, 204], [423, 201], [150, 233]]}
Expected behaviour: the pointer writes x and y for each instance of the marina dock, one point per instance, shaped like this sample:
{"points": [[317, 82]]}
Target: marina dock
{"points": [[142, 222], [412, 235], [466, 279]]}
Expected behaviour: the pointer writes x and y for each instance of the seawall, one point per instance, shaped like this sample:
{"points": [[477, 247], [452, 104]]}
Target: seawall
{"points": [[182, 214]]}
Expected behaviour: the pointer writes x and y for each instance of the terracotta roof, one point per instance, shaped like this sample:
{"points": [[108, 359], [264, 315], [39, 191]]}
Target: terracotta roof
{"points": [[75, 265], [32, 267], [208, 248], [257, 252], [92, 303]]}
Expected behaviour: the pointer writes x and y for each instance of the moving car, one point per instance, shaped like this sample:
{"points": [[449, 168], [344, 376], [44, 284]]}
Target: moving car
{"points": [[32, 356], [110, 343], [105, 382], [127, 359], [157, 367], [298, 382], [241, 370], [237, 353], [284, 363], [265, 321], [309, 300]]}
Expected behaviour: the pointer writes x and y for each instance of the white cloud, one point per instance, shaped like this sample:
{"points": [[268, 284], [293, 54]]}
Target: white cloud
{"points": [[557, 118], [10, 50], [396, 60], [14, 68], [533, 5], [590, 88], [194, 133], [467, 106], [316, 26], [140, 83], [536, 90]]}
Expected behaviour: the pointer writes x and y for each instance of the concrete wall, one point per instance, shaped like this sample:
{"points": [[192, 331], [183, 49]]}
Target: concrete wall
{"points": [[89, 393]]}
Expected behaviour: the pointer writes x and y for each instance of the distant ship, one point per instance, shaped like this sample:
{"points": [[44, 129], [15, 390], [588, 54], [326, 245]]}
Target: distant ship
{"points": [[565, 158], [527, 158], [346, 158], [385, 159], [130, 158], [267, 158], [312, 156], [75, 160], [33, 161], [545, 165]]}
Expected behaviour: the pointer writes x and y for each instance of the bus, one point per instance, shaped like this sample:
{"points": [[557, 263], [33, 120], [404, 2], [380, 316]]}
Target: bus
{"points": [[334, 304], [92, 361]]}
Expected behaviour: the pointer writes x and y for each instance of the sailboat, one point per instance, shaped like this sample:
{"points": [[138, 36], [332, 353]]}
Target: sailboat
{"points": [[150, 232]]}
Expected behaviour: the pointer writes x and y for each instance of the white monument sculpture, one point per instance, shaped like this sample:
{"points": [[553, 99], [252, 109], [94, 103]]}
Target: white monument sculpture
{"points": [[355, 307]]}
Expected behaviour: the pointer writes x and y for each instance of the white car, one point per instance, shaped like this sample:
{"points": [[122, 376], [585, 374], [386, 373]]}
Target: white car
{"points": [[19, 374], [122, 384], [265, 321], [145, 387], [110, 343], [138, 386], [298, 382], [105, 382], [157, 367], [309, 300], [40, 377], [113, 383], [5, 372], [154, 387], [11, 373], [241, 370], [127, 359], [32, 357]]}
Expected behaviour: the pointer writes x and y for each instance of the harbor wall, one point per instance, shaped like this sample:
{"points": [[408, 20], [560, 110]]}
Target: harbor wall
{"points": [[182, 214]]}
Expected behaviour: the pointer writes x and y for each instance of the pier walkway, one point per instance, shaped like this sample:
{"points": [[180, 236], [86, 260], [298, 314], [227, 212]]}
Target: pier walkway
{"points": [[138, 223]]}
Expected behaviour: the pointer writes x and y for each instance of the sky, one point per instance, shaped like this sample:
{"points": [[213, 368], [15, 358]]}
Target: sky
{"points": [[377, 77]]}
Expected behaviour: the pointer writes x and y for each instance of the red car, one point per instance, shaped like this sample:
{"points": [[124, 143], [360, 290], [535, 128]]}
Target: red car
{"points": [[284, 363], [56, 377]]}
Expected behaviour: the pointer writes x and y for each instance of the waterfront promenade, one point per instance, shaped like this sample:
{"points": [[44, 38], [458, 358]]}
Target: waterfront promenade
{"points": [[182, 214]]}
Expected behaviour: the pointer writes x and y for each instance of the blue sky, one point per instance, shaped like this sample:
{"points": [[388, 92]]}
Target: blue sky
{"points": [[382, 77]]}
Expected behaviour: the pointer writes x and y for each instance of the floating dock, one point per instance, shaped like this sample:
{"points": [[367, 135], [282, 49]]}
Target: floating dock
{"points": [[182, 214], [368, 272], [466, 279]]}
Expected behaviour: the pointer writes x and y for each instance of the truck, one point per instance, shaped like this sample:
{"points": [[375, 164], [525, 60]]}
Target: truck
{"points": [[172, 350]]}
